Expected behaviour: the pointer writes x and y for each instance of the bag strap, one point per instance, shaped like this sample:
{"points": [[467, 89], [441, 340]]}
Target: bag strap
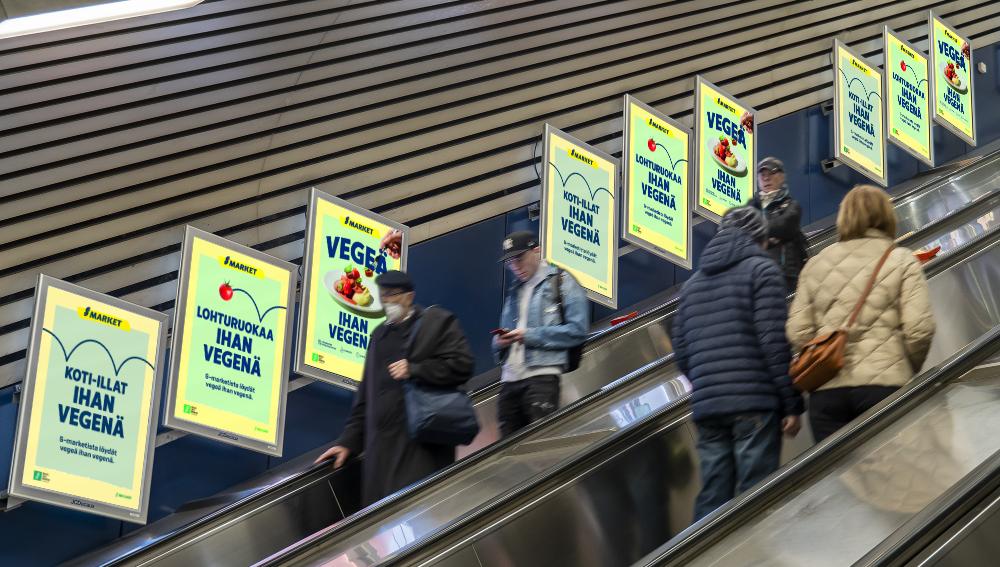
{"points": [[869, 287], [559, 296], [413, 332]]}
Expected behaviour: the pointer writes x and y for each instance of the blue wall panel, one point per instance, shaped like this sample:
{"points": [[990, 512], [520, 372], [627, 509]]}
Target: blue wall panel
{"points": [[459, 272]]}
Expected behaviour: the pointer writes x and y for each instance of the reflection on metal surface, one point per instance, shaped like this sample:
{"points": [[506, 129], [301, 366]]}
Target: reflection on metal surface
{"points": [[877, 488]]}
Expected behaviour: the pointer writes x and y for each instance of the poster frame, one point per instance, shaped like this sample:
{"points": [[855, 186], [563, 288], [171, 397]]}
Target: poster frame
{"points": [[837, 145], [180, 310], [696, 206], [315, 195], [626, 192], [76, 502], [932, 63], [886, 32], [549, 132]]}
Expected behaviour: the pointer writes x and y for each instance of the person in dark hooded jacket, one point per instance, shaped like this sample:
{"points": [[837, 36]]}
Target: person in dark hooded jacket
{"points": [[437, 355], [729, 340], [786, 243]]}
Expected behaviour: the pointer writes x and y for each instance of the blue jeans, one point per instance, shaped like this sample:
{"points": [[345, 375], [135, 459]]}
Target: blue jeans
{"points": [[736, 452]]}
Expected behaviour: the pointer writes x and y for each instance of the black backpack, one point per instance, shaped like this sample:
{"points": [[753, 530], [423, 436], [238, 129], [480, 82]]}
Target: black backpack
{"points": [[575, 353]]}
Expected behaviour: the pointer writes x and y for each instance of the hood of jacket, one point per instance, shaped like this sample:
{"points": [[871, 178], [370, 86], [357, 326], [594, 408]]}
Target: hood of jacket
{"points": [[727, 248]]}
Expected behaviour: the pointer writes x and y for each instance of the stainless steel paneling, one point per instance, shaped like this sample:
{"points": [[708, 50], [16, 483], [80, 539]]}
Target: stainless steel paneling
{"points": [[970, 544], [114, 136]]}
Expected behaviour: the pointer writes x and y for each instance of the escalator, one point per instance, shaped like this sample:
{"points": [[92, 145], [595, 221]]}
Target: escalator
{"points": [[619, 478], [625, 379]]}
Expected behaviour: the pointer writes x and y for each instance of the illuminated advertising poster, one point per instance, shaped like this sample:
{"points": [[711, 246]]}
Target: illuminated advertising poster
{"points": [[655, 183], [726, 150], [347, 247], [88, 415], [951, 80], [858, 110], [232, 336], [908, 106], [580, 214]]}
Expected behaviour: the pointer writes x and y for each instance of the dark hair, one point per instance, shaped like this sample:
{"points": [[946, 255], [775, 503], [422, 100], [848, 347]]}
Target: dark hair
{"points": [[748, 220]]}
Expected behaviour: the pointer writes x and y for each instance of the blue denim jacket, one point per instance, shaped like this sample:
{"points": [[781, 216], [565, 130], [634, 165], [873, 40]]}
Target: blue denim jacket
{"points": [[547, 338]]}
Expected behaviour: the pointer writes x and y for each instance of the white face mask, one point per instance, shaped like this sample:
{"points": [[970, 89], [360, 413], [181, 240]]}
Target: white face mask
{"points": [[394, 312]]}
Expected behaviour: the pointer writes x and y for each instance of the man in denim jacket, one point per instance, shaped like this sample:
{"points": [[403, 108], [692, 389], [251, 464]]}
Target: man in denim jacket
{"points": [[536, 338]]}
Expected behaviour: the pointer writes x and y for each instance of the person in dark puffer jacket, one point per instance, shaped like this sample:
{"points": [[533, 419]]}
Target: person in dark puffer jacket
{"points": [[729, 340]]}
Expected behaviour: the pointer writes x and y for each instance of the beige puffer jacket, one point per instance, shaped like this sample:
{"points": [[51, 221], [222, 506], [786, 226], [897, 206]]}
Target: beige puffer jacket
{"points": [[893, 333]]}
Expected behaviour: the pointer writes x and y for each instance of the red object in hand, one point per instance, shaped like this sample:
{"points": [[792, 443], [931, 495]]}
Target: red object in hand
{"points": [[652, 145], [927, 255], [226, 291], [623, 318]]}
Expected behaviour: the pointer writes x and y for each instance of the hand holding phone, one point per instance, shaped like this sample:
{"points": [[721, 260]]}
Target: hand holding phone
{"points": [[499, 331]]}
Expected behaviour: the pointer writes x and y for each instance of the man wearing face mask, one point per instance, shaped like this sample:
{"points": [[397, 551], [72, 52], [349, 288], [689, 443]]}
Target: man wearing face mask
{"points": [[437, 355], [785, 243], [536, 333]]}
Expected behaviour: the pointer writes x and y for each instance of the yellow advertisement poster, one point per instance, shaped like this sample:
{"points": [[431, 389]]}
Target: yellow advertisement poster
{"points": [[726, 150], [231, 351], [951, 69], [908, 110], [91, 402], [580, 214], [347, 247], [858, 114]]}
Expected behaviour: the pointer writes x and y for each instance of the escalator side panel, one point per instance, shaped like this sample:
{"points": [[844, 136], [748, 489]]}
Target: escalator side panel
{"points": [[622, 508]]}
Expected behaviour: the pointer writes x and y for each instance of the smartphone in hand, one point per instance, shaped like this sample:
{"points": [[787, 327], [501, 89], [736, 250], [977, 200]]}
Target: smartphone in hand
{"points": [[500, 331]]}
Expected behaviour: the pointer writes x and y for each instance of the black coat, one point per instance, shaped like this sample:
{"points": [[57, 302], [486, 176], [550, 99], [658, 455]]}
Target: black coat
{"points": [[787, 245], [729, 332], [439, 355]]}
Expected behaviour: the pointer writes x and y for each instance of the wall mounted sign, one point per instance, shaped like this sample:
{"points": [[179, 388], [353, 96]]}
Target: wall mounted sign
{"points": [[346, 248], [908, 103], [88, 415], [580, 214], [655, 183], [231, 344], [859, 128], [726, 151], [951, 79]]}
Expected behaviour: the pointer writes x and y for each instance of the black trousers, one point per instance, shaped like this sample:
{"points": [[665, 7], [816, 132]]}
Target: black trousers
{"points": [[829, 410], [526, 401]]}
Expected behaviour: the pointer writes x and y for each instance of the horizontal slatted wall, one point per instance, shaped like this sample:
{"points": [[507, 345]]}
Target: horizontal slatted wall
{"points": [[113, 137]]}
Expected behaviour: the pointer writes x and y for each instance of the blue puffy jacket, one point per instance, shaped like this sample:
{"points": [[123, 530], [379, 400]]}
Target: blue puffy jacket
{"points": [[729, 335]]}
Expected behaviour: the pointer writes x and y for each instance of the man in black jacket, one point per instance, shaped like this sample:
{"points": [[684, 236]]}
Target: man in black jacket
{"points": [[785, 242], [439, 355], [729, 340]]}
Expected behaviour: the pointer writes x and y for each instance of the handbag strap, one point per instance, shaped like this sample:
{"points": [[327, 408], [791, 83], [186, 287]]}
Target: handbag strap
{"points": [[559, 297], [407, 350], [869, 287]]}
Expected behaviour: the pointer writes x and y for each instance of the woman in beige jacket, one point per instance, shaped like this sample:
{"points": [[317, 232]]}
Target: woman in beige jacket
{"points": [[893, 333]]}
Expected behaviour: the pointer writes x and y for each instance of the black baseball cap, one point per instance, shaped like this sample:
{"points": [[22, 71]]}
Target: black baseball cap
{"points": [[771, 164], [518, 243], [395, 279]]}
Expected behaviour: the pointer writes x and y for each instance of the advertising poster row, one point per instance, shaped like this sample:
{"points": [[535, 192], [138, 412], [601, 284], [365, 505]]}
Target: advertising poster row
{"points": [[90, 404], [901, 102], [89, 410]]}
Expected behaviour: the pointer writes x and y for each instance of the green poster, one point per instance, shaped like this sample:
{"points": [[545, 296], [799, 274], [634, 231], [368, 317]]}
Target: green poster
{"points": [[858, 111], [727, 151], [347, 247], [88, 419], [656, 183], [229, 362], [908, 105], [580, 214], [951, 61]]}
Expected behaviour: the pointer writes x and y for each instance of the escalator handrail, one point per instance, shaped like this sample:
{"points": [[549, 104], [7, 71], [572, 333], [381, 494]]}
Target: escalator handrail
{"points": [[934, 267]]}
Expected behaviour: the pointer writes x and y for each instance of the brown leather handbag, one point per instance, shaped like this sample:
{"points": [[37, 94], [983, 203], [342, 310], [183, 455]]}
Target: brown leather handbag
{"points": [[822, 358]]}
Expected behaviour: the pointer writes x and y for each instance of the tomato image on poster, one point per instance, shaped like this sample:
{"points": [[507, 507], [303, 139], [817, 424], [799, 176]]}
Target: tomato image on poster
{"points": [[951, 62], [231, 345], [726, 150], [656, 183], [347, 247]]}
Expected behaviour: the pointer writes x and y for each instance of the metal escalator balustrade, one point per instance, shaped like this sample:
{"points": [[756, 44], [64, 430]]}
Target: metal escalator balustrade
{"points": [[646, 336], [337, 545]]}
